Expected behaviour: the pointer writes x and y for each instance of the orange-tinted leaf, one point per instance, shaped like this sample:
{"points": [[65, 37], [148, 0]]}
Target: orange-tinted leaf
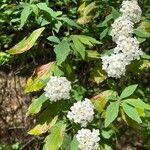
{"points": [[41, 74]]}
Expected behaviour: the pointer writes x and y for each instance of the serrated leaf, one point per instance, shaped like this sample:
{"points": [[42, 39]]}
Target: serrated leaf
{"points": [[111, 113], [24, 15], [138, 103], [78, 46], [74, 144], [55, 139], [36, 105], [131, 112], [62, 50], [26, 43], [128, 91], [39, 78]]}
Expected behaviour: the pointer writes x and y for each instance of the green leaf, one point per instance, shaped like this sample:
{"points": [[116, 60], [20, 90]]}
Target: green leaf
{"points": [[92, 54], [111, 113], [104, 33], [87, 40], [50, 110], [79, 47], [142, 33], [35, 9], [26, 43], [53, 39], [115, 13], [24, 15], [146, 56], [107, 19], [36, 105], [137, 103], [55, 139], [107, 134], [66, 142], [128, 91], [70, 22], [74, 144], [62, 50], [131, 112], [50, 11]]}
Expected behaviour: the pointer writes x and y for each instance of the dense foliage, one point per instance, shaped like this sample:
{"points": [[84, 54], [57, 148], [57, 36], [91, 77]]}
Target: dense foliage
{"points": [[63, 45]]}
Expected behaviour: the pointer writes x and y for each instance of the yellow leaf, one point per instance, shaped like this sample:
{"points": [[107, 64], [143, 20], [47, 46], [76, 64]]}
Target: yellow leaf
{"points": [[26, 43], [39, 129], [84, 20], [141, 112], [100, 100], [85, 12], [97, 75], [81, 8]]}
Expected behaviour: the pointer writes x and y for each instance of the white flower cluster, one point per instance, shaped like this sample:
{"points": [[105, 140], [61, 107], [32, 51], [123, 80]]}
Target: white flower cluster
{"points": [[122, 26], [58, 88], [127, 48], [115, 65], [82, 112], [88, 140], [131, 9]]}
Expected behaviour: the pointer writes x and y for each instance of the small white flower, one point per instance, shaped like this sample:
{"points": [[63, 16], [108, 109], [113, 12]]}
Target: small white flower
{"points": [[58, 88], [122, 26], [88, 140], [131, 9], [82, 112], [115, 65]]}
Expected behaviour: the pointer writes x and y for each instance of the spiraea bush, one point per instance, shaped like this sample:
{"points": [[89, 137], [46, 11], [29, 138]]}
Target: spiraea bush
{"points": [[94, 80]]}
